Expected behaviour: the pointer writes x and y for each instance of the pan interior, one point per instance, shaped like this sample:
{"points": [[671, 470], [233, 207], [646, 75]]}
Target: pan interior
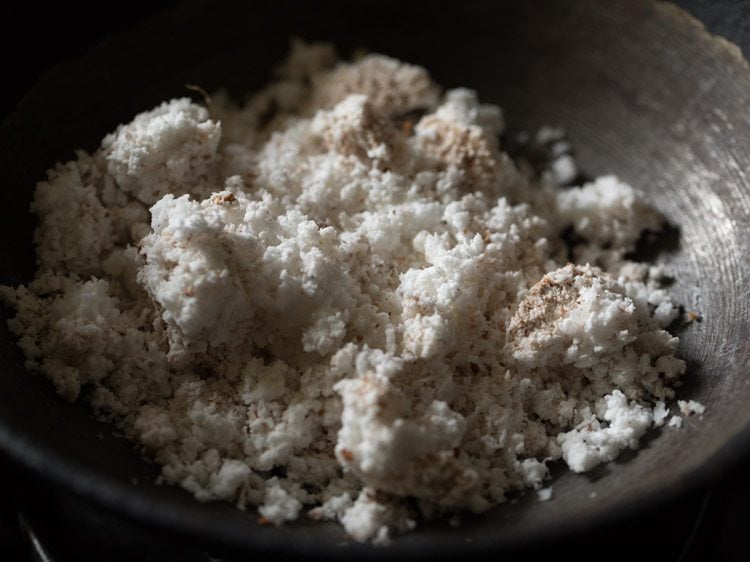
{"points": [[643, 92]]}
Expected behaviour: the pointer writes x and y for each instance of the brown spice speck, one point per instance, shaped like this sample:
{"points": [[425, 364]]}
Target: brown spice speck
{"points": [[407, 127], [692, 316], [347, 455], [224, 198]]}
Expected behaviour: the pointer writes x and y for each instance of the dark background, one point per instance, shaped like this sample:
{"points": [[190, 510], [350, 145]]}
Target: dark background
{"points": [[709, 523]]}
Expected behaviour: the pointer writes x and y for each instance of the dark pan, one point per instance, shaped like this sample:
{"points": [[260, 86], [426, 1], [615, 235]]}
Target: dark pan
{"points": [[641, 88]]}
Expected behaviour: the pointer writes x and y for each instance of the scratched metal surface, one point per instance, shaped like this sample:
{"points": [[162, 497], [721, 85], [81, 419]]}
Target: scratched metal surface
{"points": [[643, 91]]}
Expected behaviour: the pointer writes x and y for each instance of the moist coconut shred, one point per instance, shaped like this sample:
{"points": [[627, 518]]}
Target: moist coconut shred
{"points": [[343, 300]]}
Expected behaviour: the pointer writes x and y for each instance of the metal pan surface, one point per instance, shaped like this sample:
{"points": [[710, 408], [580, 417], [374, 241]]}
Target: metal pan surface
{"points": [[643, 91]]}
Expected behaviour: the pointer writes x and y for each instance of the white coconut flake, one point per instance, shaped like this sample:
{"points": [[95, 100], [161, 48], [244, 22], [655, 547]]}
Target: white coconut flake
{"points": [[675, 422], [545, 494], [661, 412], [691, 407], [317, 303]]}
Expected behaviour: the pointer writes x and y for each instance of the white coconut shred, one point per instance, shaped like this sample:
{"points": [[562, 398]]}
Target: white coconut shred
{"points": [[314, 305]]}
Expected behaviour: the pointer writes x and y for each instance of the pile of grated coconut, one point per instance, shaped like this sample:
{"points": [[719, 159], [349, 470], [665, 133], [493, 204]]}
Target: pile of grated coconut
{"points": [[322, 304]]}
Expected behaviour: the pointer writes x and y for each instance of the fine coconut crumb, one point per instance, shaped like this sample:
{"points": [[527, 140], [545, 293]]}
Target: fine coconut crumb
{"points": [[661, 412], [278, 504], [675, 422], [343, 298], [545, 494], [691, 407]]}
